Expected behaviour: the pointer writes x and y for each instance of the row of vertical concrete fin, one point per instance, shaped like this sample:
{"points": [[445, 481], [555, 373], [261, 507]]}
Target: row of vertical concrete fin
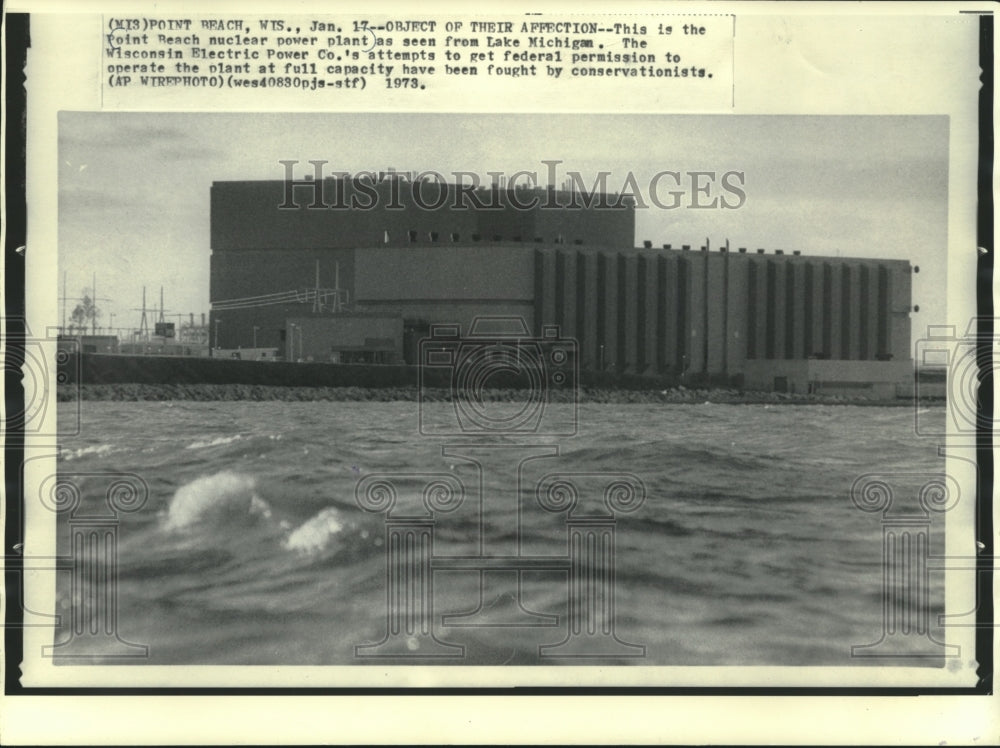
{"points": [[651, 311]]}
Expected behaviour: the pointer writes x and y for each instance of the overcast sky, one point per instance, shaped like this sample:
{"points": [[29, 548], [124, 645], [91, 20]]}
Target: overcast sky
{"points": [[134, 187]]}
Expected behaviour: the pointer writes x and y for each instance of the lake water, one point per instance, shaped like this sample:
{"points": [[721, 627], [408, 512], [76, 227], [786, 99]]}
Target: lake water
{"points": [[251, 547]]}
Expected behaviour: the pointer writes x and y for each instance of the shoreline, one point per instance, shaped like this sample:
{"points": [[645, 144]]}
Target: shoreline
{"points": [[266, 393]]}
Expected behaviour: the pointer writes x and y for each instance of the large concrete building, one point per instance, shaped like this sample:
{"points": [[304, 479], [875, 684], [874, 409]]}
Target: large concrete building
{"points": [[326, 271]]}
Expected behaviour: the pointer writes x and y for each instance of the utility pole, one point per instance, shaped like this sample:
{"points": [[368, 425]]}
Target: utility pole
{"points": [[144, 323], [93, 320], [316, 304], [338, 303]]}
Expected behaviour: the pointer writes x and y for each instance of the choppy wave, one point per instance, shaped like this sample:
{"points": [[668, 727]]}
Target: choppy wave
{"points": [[226, 503], [747, 550], [315, 534], [216, 442], [95, 450], [212, 500]]}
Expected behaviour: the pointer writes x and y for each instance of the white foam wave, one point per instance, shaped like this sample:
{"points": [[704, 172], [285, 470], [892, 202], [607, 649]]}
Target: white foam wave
{"points": [[216, 442], [315, 534], [213, 499], [97, 449]]}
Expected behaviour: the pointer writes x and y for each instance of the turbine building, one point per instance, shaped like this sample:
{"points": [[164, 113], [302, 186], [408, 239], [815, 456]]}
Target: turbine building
{"points": [[337, 271]]}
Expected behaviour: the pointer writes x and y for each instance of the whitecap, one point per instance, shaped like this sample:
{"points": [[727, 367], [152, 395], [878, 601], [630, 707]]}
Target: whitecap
{"points": [[224, 497], [98, 450], [216, 442], [315, 534]]}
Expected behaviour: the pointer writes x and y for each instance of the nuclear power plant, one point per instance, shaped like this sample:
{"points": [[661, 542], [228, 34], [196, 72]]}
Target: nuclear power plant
{"points": [[336, 272]]}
